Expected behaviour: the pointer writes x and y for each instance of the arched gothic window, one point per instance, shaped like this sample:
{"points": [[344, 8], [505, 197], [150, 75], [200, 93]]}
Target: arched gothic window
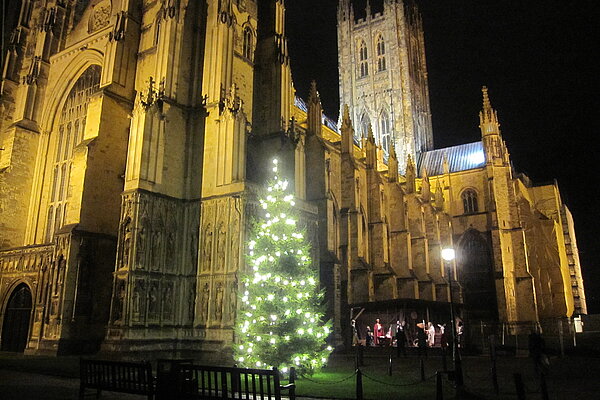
{"points": [[384, 132], [157, 30], [68, 135], [476, 275], [362, 57], [469, 198], [248, 46], [380, 53], [365, 122]]}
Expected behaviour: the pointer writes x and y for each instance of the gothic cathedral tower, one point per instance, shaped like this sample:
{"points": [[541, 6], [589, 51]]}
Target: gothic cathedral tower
{"points": [[383, 76]]}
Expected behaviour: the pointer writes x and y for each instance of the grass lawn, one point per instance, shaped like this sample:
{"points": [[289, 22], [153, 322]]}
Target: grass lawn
{"points": [[571, 377], [65, 366], [338, 379]]}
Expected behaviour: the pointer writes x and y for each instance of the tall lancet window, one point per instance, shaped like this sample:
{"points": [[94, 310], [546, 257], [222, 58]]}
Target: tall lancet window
{"points": [[67, 136], [380, 53], [248, 46], [365, 122], [363, 56], [384, 132], [469, 198]]}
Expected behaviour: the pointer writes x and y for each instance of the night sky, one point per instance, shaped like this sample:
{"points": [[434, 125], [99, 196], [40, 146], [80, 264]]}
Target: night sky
{"points": [[541, 65]]}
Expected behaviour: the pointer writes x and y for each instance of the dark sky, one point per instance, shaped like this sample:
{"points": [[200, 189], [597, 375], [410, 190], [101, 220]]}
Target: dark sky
{"points": [[540, 62]]}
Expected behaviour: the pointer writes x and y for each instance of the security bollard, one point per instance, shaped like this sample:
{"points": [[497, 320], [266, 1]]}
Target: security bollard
{"points": [[444, 362], [293, 382], [519, 386], [544, 387], [390, 366], [495, 377], [361, 360], [439, 390], [359, 387], [422, 370]]}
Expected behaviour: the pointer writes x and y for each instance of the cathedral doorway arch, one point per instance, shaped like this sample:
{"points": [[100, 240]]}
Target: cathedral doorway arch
{"points": [[476, 276], [15, 326]]}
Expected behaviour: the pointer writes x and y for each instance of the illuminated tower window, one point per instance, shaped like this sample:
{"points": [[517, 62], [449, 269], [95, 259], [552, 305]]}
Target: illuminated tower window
{"points": [[365, 122], [69, 135], [469, 198], [363, 56], [380, 53], [384, 133], [248, 43]]}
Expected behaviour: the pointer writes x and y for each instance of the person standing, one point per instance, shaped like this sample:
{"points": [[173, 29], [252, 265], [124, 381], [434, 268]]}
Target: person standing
{"points": [[378, 333], [355, 335], [460, 330], [430, 334], [400, 338], [422, 341], [536, 352], [369, 340]]}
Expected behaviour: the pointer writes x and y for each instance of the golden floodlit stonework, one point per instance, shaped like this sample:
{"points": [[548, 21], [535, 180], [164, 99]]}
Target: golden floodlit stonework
{"points": [[135, 134]]}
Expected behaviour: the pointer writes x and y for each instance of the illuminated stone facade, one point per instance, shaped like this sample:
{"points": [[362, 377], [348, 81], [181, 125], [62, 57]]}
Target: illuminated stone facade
{"points": [[134, 135]]}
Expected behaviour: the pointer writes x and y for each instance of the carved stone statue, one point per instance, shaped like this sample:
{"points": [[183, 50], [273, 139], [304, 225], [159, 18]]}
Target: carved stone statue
{"points": [[221, 246], [204, 303], [207, 247], [219, 302], [153, 301], [168, 302]]}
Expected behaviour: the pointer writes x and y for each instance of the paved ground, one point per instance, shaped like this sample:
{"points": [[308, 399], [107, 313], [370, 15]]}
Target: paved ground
{"points": [[570, 378], [18, 385]]}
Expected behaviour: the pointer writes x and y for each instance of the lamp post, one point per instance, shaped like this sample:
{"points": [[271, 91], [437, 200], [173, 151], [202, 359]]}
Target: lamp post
{"points": [[448, 254]]}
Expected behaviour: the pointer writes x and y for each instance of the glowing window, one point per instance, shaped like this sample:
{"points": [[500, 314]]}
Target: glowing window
{"points": [[469, 198], [380, 53], [68, 135], [384, 133], [248, 46], [363, 59], [365, 122]]}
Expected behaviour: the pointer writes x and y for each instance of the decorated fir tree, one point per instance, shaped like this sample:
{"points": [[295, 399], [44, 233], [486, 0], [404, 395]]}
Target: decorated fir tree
{"points": [[280, 322]]}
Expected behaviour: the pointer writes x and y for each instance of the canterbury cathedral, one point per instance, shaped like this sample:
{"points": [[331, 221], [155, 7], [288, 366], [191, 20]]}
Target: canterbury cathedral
{"points": [[135, 136]]}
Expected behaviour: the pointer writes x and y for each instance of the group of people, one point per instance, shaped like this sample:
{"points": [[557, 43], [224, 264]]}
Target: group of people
{"points": [[398, 335]]}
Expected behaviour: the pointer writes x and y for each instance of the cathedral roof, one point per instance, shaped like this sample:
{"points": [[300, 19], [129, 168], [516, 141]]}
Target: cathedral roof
{"points": [[328, 122], [460, 158]]}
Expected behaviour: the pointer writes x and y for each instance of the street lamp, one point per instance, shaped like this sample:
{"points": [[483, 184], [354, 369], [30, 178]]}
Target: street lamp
{"points": [[448, 254]]}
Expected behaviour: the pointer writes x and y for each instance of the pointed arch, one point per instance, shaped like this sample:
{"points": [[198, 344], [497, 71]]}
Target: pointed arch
{"points": [[363, 59], [365, 122], [72, 119], [470, 201], [384, 132], [248, 42], [476, 275], [380, 48], [17, 317]]}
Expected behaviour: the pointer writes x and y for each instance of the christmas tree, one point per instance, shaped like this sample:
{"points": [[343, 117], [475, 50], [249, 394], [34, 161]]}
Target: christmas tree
{"points": [[280, 322]]}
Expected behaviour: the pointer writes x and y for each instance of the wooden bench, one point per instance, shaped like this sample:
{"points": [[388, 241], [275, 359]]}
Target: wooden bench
{"points": [[116, 376], [224, 383]]}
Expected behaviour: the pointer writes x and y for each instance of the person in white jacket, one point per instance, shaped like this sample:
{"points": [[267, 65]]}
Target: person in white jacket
{"points": [[430, 334]]}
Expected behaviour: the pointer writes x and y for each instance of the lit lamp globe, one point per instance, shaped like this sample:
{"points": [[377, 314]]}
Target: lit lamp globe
{"points": [[448, 254]]}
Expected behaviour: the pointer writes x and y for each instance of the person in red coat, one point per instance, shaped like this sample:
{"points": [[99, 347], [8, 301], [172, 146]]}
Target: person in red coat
{"points": [[379, 335]]}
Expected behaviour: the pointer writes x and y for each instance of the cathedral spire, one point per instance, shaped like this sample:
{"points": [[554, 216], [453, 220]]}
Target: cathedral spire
{"points": [[315, 111], [347, 132], [426, 186], [488, 118], [393, 165], [371, 149], [439, 195], [410, 175], [368, 9], [344, 10], [490, 132]]}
